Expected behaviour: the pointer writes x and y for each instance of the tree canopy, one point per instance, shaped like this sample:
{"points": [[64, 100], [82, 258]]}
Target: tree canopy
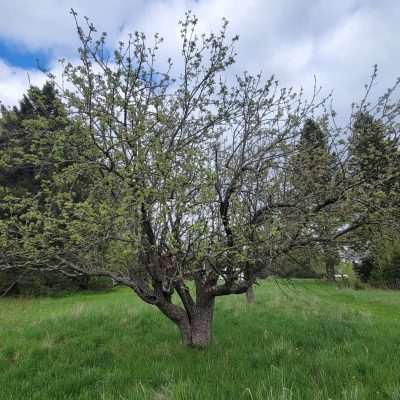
{"points": [[201, 177]]}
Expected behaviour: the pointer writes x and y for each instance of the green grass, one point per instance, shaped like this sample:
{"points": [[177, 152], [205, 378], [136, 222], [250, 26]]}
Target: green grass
{"points": [[303, 340]]}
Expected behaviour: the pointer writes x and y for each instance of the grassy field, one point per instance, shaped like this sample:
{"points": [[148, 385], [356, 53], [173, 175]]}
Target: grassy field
{"points": [[303, 340]]}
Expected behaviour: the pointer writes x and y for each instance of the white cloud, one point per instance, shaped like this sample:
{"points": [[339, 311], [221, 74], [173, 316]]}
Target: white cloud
{"points": [[44, 24], [338, 42], [15, 81]]}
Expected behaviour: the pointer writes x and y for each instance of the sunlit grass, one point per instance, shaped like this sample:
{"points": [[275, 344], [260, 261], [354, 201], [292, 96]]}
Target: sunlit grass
{"points": [[303, 340]]}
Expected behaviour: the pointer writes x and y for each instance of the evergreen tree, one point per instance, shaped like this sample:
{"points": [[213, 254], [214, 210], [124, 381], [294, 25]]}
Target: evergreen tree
{"points": [[313, 178], [375, 158], [36, 158], [373, 153]]}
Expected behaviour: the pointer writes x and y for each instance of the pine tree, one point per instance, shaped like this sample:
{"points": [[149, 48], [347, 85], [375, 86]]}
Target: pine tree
{"points": [[375, 158], [373, 154], [313, 178], [35, 152]]}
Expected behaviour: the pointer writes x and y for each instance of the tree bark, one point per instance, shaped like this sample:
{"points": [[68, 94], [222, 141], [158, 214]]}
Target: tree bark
{"points": [[201, 323], [196, 331], [250, 295], [186, 332], [330, 269]]}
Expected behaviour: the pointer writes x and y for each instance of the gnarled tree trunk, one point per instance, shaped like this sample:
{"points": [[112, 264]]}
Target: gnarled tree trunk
{"points": [[196, 329]]}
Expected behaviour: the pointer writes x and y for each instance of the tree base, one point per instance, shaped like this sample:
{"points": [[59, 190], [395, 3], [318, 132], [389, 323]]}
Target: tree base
{"points": [[197, 332]]}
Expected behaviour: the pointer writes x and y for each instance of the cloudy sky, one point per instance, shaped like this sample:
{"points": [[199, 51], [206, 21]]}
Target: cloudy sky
{"points": [[338, 42]]}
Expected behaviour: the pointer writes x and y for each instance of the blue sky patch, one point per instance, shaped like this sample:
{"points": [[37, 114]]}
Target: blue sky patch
{"points": [[18, 56]]}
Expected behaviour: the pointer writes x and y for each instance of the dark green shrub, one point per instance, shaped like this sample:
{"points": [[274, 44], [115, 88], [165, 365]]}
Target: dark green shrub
{"points": [[381, 266], [49, 284]]}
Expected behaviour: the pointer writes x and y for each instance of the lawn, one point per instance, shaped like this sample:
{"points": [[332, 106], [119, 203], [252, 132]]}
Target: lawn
{"points": [[301, 340]]}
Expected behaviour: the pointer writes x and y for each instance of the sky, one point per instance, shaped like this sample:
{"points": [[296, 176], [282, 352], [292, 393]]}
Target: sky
{"points": [[337, 42]]}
